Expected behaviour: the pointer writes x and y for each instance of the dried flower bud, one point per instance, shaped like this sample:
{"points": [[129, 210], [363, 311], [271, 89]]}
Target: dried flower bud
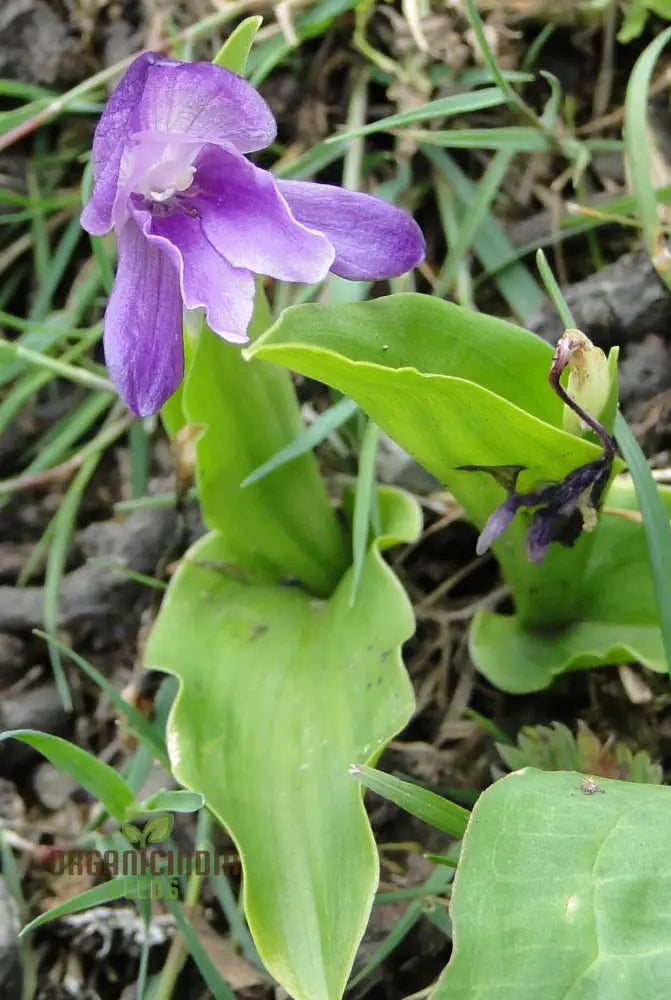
{"points": [[589, 378]]}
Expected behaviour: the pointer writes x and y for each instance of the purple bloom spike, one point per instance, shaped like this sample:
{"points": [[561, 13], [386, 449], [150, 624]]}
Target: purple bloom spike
{"points": [[195, 220]]}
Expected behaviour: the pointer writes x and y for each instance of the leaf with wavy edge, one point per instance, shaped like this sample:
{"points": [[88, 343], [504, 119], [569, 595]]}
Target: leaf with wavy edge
{"points": [[279, 694]]}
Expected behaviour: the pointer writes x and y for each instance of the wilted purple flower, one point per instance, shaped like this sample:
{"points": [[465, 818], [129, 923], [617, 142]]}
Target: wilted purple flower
{"points": [[195, 220], [564, 509]]}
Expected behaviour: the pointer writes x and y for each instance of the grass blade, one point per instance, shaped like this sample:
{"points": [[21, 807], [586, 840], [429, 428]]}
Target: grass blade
{"points": [[420, 802], [637, 148], [308, 439], [655, 522], [365, 506]]}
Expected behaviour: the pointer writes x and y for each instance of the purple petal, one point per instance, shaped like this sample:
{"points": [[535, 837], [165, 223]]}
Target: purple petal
{"points": [[116, 122], [247, 220], [143, 343], [371, 238], [540, 533], [201, 102], [497, 523], [206, 278]]}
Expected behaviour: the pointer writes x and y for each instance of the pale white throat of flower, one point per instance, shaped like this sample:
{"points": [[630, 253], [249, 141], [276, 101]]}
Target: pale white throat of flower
{"points": [[157, 169]]}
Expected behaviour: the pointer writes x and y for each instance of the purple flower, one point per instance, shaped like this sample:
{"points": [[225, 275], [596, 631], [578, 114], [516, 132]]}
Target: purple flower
{"points": [[195, 220], [563, 510], [567, 508]]}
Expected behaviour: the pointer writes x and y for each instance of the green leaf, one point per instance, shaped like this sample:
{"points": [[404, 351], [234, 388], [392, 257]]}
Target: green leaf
{"points": [[158, 828], [655, 511], [234, 53], [418, 801], [455, 388], [455, 104], [116, 888], [638, 151], [147, 732], [98, 778], [249, 412], [618, 621], [279, 693], [562, 894], [206, 967], [179, 800], [365, 514]]}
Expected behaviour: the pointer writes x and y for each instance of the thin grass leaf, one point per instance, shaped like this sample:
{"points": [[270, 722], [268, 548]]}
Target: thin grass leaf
{"points": [[147, 733], [420, 802], [554, 291], [517, 139], [637, 147], [54, 446], [490, 243], [488, 57], [158, 501], [207, 969], [98, 778], [312, 161], [140, 457], [437, 883], [365, 503], [38, 228], [655, 522], [78, 375], [64, 522], [56, 268], [308, 439], [233, 912], [127, 573], [475, 214], [117, 888], [443, 107]]}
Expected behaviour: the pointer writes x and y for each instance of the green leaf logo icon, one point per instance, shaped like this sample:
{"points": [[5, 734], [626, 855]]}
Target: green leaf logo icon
{"points": [[158, 828], [131, 833]]}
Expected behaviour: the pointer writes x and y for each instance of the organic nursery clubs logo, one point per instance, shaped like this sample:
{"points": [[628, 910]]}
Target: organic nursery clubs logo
{"points": [[150, 872]]}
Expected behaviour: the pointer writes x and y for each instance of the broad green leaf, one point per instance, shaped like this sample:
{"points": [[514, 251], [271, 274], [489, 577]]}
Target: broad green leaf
{"points": [[249, 412], [455, 388], [618, 620], [418, 801], [98, 778], [126, 887], [562, 892], [279, 694]]}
